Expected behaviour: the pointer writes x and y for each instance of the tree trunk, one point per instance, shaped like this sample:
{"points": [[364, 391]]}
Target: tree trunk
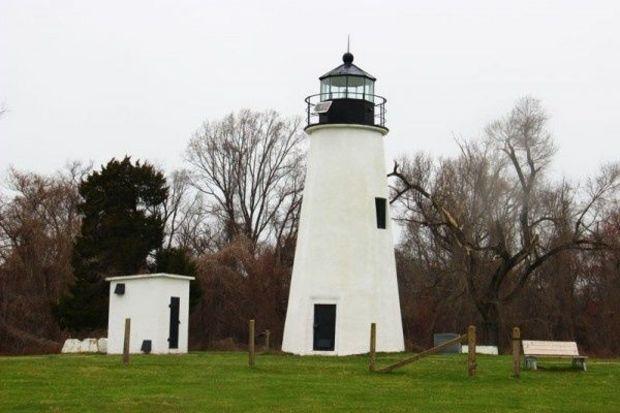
{"points": [[491, 322]]}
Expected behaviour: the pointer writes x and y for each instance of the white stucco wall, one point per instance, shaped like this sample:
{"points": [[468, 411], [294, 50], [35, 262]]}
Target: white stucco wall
{"points": [[342, 257], [146, 302]]}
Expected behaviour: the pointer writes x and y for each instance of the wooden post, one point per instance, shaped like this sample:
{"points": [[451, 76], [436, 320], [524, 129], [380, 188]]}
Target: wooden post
{"points": [[516, 351], [251, 344], [372, 355], [267, 334], [126, 341], [471, 350]]}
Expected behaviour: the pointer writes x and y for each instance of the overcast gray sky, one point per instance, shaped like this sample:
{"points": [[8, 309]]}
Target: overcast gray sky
{"points": [[90, 80]]}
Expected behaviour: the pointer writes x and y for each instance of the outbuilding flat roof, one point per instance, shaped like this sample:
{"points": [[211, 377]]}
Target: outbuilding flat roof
{"points": [[145, 276]]}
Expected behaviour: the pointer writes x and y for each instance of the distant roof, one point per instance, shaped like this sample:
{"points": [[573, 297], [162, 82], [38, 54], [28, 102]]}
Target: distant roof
{"points": [[347, 69], [146, 276]]}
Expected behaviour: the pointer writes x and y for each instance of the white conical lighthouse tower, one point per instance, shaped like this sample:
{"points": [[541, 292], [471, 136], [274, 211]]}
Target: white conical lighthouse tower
{"points": [[344, 275]]}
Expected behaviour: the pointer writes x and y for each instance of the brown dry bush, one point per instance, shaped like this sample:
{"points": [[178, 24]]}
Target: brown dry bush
{"points": [[37, 227], [239, 283]]}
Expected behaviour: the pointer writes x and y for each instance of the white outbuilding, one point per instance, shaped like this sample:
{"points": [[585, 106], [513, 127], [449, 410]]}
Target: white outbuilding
{"points": [[158, 307]]}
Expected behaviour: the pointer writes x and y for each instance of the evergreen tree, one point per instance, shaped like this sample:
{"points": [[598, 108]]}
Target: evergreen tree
{"points": [[178, 261], [121, 226]]}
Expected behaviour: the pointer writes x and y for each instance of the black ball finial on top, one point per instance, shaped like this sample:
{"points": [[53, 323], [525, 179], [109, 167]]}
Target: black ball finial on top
{"points": [[347, 58]]}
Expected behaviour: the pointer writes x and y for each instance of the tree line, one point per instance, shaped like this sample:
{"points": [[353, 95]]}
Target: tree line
{"points": [[488, 237]]}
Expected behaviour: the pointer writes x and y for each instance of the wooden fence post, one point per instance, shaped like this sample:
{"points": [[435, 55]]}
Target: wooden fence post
{"points": [[471, 350], [372, 355], [516, 350], [267, 334], [126, 341], [251, 344]]}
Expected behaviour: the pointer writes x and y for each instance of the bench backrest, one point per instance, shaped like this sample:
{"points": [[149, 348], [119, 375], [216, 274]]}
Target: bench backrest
{"points": [[549, 348]]}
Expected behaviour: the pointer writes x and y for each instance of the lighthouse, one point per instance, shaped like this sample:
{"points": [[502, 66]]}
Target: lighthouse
{"points": [[344, 273]]}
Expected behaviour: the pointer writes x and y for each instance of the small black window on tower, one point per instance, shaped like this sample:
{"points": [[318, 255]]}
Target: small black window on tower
{"points": [[380, 207]]}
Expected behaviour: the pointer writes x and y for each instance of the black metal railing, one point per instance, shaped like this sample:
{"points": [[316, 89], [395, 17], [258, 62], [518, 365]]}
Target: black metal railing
{"points": [[377, 102]]}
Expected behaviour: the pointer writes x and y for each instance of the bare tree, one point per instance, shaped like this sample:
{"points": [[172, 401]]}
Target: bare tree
{"points": [[178, 205], [188, 224], [38, 224], [495, 214], [250, 168]]}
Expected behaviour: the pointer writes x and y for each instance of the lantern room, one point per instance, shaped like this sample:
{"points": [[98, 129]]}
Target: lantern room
{"points": [[347, 81], [347, 96]]}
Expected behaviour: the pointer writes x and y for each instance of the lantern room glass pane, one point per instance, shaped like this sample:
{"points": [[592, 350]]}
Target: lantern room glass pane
{"points": [[338, 87], [369, 89], [355, 87], [325, 89]]}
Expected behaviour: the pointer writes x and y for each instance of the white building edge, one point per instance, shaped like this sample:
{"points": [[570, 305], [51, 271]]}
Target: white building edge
{"points": [[158, 306]]}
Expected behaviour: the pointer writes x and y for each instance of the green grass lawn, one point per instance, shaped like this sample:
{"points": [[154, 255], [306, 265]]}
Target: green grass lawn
{"points": [[222, 382]]}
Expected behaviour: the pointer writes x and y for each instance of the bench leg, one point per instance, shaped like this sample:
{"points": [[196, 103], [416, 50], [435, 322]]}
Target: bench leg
{"points": [[580, 363], [531, 363]]}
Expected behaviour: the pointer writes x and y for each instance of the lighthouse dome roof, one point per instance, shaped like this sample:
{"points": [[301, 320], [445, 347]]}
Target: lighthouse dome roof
{"points": [[347, 68]]}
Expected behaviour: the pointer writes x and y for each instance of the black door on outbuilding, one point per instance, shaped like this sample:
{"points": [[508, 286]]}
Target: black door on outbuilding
{"points": [[173, 337], [324, 327]]}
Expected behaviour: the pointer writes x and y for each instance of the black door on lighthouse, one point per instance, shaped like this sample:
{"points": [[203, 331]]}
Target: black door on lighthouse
{"points": [[324, 327], [173, 336]]}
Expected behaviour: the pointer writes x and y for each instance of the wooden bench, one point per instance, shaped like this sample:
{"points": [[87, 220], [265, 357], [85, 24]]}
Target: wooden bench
{"points": [[532, 349]]}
